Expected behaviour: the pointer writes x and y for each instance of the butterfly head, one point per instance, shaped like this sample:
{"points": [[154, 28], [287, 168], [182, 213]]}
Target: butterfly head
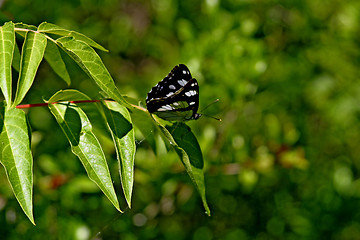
{"points": [[196, 116]]}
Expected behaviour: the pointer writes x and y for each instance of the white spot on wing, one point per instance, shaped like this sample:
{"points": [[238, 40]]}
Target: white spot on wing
{"points": [[165, 108], [190, 93], [191, 103], [169, 94], [182, 82], [185, 72], [172, 87]]}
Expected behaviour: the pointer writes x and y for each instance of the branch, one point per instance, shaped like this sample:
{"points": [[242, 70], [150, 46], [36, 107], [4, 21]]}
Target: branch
{"points": [[76, 101], [46, 104]]}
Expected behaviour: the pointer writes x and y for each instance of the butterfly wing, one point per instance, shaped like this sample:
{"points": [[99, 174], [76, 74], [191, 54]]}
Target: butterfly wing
{"points": [[180, 106], [175, 80], [176, 97]]}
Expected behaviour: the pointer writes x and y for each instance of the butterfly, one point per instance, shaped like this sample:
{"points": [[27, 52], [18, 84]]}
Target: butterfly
{"points": [[176, 97]]}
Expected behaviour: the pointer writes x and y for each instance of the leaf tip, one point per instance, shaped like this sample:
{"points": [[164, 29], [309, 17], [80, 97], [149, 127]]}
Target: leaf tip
{"points": [[128, 203], [118, 208], [31, 218], [207, 212], [207, 209]]}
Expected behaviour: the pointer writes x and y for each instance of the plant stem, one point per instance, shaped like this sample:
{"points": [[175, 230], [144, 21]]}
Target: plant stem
{"points": [[78, 101], [46, 104]]}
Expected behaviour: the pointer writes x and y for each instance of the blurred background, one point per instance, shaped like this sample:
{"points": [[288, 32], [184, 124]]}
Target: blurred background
{"points": [[284, 162]]}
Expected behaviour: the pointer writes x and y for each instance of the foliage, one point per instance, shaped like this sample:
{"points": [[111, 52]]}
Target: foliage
{"points": [[74, 122], [283, 163]]}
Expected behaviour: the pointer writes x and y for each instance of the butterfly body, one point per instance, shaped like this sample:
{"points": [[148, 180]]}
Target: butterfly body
{"points": [[176, 97]]}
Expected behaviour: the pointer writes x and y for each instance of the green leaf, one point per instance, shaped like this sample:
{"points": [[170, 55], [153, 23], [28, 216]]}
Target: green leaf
{"points": [[91, 63], [31, 56], [84, 144], [122, 132], [16, 156], [7, 43], [68, 95], [186, 140], [53, 57], [54, 29], [16, 58], [188, 149]]}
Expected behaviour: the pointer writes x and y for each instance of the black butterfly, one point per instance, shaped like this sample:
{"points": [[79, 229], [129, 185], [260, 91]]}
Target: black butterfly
{"points": [[176, 97]]}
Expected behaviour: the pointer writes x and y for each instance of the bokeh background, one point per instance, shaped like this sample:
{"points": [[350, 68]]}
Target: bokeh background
{"points": [[284, 162]]}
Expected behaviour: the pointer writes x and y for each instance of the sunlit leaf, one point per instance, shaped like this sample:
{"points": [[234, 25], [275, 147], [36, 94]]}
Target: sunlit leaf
{"points": [[7, 43], [122, 131], [91, 63], [84, 144], [53, 57], [68, 95], [16, 156], [57, 30], [31, 56]]}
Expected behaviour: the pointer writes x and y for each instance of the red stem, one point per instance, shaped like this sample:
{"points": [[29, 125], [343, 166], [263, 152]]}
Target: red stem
{"points": [[45, 104]]}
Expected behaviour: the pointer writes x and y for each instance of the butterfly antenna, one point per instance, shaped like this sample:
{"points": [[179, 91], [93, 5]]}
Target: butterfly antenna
{"points": [[218, 119], [215, 101]]}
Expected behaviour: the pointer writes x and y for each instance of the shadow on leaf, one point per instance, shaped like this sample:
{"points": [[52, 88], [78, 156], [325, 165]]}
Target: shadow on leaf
{"points": [[72, 125], [119, 125], [185, 139]]}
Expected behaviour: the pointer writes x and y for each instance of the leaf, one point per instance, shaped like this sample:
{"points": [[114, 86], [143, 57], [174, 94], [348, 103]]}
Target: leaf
{"points": [[68, 95], [7, 43], [122, 132], [84, 144], [188, 149], [54, 29], [53, 57], [31, 56], [16, 156], [91, 63], [186, 140]]}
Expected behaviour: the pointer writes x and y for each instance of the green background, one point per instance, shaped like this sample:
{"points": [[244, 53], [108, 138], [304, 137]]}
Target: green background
{"points": [[284, 162]]}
